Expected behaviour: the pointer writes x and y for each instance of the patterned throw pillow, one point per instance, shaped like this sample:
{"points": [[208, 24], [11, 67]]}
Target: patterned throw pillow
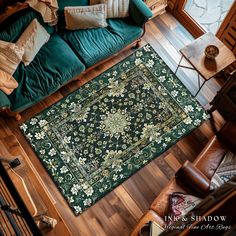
{"points": [[7, 82], [10, 56], [84, 17], [181, 204], [115, 8], [225, 171], [32, 39]]}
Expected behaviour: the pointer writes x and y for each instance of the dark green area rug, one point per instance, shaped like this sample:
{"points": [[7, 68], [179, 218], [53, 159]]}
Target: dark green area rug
{"points": [[98, 136]]}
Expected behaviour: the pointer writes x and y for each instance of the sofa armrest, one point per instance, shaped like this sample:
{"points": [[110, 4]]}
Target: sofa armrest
{"points": [[4, 101], [210, 157], [139, 12], [193, 179]]}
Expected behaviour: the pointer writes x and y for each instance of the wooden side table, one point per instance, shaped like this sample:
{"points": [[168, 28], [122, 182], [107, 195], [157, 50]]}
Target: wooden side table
{"points": [[206, 68], [157, 6]]}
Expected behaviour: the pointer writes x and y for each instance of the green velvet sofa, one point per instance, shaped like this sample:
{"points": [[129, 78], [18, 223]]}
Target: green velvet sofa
{"points": [[67, 53]]}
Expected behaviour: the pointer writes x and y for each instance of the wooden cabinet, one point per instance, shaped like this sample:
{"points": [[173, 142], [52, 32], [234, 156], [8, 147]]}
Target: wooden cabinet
{"points": [[157, 6], [225, 100]]}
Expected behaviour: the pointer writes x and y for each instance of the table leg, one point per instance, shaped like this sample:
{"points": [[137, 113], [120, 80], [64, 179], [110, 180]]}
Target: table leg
{"points": [[199, 82], [192, 68], [199, 86], [179, 64]]}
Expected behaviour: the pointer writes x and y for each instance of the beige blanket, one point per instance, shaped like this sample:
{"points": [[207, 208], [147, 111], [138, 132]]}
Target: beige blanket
{"points": [[47, 8]]}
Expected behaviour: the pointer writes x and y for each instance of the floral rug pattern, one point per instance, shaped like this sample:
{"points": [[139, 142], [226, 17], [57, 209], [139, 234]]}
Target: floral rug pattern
{"points": [[95, 138]]}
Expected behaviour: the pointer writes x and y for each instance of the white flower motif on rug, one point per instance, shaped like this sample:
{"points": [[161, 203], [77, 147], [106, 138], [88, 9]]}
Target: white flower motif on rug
{"points": [[100, 135]]}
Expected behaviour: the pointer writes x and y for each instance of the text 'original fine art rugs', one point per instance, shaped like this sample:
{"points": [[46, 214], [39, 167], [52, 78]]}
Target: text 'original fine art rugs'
{"points": [[98, 136]]}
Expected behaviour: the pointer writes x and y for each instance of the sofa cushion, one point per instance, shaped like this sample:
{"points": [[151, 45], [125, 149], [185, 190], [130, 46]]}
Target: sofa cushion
{"points": [[14, 29], [94, 45], [53, 66], [125, 29]]}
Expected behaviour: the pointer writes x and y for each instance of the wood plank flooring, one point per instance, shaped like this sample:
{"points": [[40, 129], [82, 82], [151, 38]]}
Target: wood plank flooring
{"points": [[117, 213]]}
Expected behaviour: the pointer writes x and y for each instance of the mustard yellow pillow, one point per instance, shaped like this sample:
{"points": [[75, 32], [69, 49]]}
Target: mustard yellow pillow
{"points": [[84, 17], [32, 39], [10, 56], [115, 8], [7, 82]]}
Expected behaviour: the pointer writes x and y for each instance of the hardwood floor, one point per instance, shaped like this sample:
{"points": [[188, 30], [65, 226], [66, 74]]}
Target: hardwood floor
{"points": [[117, 213]]}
